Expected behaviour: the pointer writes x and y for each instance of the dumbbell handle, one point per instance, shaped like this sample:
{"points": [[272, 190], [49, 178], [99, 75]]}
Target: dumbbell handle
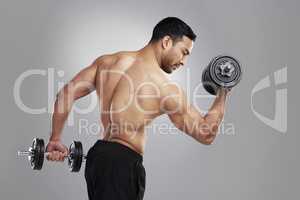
{"points": [[29, 153], [24, 153]]}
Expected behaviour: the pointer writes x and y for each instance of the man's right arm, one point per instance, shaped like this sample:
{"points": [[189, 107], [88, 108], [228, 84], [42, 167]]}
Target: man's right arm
{"points": [[188, 119], [80, 85]]}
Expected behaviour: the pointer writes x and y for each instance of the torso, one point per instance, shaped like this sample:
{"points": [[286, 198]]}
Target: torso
{"points": [[128, 89]]}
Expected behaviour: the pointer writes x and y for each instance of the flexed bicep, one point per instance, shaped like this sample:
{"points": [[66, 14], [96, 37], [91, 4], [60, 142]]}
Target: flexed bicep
{"points": [[183, 114], [180, 111]]}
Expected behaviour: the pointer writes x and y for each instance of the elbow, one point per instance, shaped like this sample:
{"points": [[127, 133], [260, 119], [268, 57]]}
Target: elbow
{"points": [[64, 100], [62, 93], [208, 141], [67, 93], [210, 132], [208, 138]]}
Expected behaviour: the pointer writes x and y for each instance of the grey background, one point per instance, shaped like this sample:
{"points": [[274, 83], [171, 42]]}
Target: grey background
{"points": [[256, 162]]}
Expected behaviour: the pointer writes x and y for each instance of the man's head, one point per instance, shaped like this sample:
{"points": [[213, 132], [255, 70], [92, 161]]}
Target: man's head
{"points": [[175, 39]]}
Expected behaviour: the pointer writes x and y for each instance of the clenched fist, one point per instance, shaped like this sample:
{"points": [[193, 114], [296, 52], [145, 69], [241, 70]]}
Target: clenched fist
{"points": [[57, 151]]}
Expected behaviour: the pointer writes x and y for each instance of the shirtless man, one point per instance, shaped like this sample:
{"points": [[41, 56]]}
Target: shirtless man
{"points": [[133, 89]]}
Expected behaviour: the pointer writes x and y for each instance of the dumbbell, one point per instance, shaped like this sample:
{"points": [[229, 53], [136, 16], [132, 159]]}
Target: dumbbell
{"points": [[36, 155], [222, 71]]}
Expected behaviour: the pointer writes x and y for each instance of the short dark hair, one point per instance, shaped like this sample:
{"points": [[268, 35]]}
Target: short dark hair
{"points": [[173, 27]]}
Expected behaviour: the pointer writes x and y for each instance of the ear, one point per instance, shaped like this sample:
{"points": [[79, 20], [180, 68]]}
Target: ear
{"points": [[167, 42]]}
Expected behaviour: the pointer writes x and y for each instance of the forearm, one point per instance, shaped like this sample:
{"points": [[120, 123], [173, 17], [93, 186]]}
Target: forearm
{"points": [[207, 126], [62, 108], [215, 115]]}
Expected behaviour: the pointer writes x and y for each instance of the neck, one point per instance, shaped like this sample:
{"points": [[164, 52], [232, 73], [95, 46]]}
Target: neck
{"points": [[152, 52]]}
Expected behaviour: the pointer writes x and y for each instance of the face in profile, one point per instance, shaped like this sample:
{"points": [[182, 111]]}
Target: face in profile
{"points": [[175, 53]]}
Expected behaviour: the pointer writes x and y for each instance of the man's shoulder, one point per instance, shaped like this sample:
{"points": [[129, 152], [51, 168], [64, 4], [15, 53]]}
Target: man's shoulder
{"points": [[118, 58]]}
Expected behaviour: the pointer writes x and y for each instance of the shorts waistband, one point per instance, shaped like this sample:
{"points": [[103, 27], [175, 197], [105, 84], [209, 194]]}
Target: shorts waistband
{"points": [[123, 147]]}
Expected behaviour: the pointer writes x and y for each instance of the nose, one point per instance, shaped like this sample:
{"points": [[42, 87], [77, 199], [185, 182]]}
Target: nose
{"points": [[183, 61]]}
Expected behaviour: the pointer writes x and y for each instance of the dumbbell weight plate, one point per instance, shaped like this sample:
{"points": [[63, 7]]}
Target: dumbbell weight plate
{"points": [[76, 155], [216, 75], [208, 85], [37, 157]]}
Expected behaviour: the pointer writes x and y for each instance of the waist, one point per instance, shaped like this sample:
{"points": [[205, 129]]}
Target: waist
{"points": [[115, 150], [127, 144]]}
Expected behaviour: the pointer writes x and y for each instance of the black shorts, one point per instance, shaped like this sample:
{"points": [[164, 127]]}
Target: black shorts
{"points": [[114, 172]]}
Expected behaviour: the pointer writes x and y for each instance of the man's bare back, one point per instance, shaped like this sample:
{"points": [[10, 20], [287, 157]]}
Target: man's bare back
{"points": [[129, 87]]}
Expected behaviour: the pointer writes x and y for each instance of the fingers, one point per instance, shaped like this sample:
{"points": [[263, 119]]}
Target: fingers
{"points": [[56, 151], [224, 91], [61, 148], [56, 156]]}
